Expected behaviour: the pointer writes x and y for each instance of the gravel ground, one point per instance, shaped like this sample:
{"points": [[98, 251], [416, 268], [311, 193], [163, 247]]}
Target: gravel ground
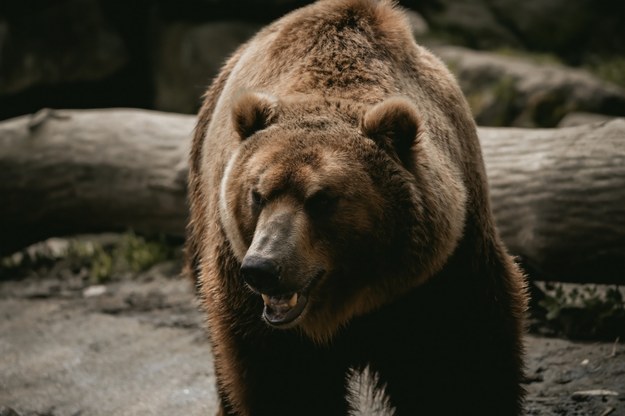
{"points": [[136, 346]]}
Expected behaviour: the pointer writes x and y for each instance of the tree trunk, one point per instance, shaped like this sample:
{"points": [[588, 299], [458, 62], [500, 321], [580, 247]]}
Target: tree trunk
{"points": [[558, 194]]}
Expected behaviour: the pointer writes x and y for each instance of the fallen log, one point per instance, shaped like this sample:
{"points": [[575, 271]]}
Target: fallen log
{"points": [[558, 194], [558, 197], [68, 172]]}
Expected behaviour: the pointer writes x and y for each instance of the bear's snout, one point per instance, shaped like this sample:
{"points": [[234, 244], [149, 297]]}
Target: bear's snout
{"points": [[281, 308], [261, 274]]}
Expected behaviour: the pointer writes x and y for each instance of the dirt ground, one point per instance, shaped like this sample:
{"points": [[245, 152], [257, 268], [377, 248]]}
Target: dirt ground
{"points": [[136, 346]]}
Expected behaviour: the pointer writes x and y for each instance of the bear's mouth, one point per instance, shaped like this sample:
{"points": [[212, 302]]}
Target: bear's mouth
{"points": [[282, 310]]}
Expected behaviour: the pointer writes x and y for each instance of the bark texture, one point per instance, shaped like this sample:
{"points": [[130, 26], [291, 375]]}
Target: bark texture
{"points": [[66, 172], [558, 194], [559, 198]]}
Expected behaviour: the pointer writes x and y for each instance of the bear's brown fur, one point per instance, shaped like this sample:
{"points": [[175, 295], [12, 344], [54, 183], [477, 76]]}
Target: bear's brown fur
{"points": [[340, 219]]}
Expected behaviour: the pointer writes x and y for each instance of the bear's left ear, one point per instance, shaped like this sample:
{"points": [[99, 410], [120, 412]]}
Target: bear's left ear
{"points": [[253, 111], [393, 123]]}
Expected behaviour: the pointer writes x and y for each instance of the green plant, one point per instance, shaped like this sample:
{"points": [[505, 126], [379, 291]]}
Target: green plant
{"points": [[533, 56], [586, 312], [609, 69], [137, 254], [99, 259], [94, 257]]}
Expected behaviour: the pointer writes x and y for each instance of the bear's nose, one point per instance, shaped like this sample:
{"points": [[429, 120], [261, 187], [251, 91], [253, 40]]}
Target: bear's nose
{"points": [[260, 274]]}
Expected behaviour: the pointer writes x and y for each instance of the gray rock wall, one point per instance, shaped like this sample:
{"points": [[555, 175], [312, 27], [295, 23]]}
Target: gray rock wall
{"points": [[569, 29], [64, 42], [162, 54]]}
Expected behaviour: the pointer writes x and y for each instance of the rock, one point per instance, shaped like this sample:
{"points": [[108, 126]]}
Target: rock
{"points": [[552, 26], [188, 58], [417, 23], [466, 22], [513, 90], [94, 291], [162, 54], [59, 42], [556, 26], [580, 118], [213, 10]]}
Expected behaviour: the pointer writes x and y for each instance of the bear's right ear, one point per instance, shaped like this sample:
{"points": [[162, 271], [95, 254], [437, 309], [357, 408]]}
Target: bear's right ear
{"points": [[253, 111], [394, 124]]}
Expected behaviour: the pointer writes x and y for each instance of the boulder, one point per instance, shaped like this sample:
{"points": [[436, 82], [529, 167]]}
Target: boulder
{"points": [[59, 42], [418, 24], [225, 10], [554, 26], [505, 90], [466, 22], [189, 56]]}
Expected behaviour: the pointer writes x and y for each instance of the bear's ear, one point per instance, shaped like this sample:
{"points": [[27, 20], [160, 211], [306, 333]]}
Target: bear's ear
{"points": [[253, 111], [393, 123]]}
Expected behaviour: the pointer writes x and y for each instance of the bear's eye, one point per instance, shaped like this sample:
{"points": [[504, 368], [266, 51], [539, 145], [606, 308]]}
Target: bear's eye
{"points": [[321, 203], [257, 199]]}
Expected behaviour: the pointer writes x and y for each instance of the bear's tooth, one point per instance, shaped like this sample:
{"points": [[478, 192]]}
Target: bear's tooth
{"points": [[293, 300], [265, 299]]}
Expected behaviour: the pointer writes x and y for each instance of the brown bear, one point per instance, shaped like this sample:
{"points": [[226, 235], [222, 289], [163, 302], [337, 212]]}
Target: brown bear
{"points": [[340, 219]]}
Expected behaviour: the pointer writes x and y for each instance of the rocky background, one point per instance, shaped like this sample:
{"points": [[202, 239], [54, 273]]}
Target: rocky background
{"points": [[530, 64]]}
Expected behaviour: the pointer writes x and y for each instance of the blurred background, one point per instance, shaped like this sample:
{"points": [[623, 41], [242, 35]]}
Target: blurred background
{"points": [[542, 60]]}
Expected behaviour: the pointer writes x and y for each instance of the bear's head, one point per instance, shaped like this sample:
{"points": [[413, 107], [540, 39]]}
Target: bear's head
{"points": [[323, 211]]}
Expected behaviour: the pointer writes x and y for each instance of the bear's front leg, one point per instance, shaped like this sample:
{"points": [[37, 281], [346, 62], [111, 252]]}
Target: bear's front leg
{"points": [[279, 373], [446, 358]]}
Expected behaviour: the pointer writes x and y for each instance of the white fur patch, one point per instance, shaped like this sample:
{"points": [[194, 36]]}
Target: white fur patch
{"points": [[364, 397], [228, 221]]}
